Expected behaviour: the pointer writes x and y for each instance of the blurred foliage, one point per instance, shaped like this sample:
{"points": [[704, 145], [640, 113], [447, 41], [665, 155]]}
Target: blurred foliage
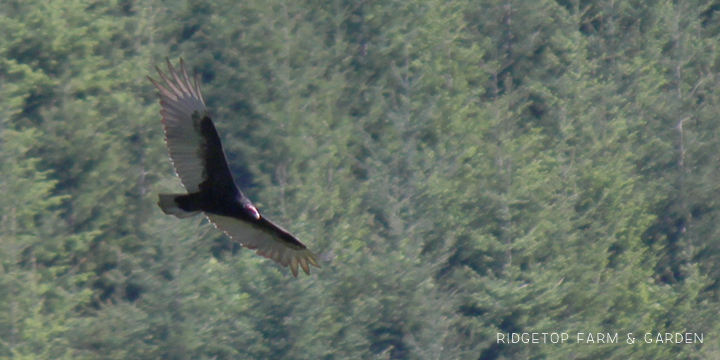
{"points": [[463, 169]]}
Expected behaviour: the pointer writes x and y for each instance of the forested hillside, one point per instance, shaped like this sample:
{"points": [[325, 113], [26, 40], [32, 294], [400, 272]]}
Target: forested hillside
{"points": [[462, 168]]}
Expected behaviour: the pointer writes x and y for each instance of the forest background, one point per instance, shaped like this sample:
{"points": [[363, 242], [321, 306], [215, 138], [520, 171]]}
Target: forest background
{"points": [[463, 168]]}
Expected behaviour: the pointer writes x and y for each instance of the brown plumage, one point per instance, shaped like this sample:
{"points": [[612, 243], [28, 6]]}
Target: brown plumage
{"points": [[197, 154]]}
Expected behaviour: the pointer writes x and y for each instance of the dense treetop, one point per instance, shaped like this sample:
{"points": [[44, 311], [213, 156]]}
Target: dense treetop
{"points": [[463, 169]]}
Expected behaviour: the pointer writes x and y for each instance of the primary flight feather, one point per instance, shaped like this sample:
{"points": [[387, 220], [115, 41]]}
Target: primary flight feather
{"points": [[197, 154]]}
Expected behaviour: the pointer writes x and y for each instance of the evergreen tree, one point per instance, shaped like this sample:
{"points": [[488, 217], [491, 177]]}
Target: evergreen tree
{"points": [[463, 169]]}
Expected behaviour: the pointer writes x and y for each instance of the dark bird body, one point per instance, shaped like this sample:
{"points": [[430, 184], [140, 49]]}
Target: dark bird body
{"points": [[196, 150]]}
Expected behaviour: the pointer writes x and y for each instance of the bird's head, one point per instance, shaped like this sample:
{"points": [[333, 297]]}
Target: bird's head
{"points": [[252, 210]]}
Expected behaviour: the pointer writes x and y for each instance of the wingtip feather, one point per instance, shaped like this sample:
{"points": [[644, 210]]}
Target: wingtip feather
{"points": [[304, 265], [294, 266], [313, 261]]}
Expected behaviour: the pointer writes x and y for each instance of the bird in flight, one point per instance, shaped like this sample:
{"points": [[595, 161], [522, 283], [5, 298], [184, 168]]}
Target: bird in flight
{"points": [[199, 160]]}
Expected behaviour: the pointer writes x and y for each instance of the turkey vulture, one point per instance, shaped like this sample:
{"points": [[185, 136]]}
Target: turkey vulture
{"points": [[199, 160]]}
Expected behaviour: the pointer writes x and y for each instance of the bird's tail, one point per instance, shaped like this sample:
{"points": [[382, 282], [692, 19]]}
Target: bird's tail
{"points": [[169, 205]]}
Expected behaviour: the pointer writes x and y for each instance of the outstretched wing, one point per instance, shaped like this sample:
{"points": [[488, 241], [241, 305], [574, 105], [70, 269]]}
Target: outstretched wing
{"points": [[199, 160], [183, 111], [270, 241]]}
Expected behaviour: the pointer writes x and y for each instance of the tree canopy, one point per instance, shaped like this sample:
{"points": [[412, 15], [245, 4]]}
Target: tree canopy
{"points": [[463, 169]]}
